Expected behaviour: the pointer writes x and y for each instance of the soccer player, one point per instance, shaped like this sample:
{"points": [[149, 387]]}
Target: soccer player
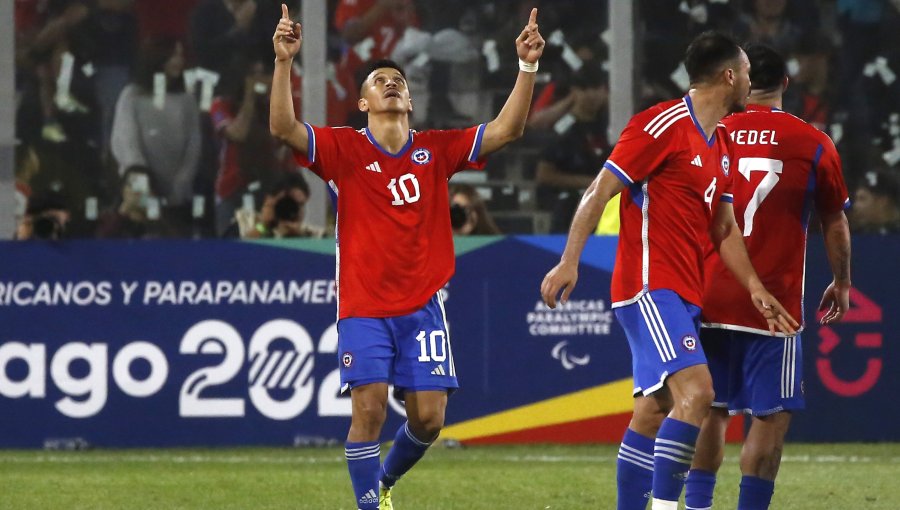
{"points": [[673, 168], [395, 248], [784, 168]]}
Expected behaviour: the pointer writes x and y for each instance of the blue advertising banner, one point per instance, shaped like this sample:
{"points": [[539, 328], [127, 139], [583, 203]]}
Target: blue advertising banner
{"points": [[169, 343]]}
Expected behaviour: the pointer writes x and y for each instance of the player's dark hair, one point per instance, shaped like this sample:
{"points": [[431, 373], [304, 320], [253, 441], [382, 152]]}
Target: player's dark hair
{"points": [[378, 64], [767, 67], [708, 53]]}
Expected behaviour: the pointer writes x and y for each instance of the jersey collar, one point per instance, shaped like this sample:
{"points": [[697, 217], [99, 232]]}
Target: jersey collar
{"points": [[373, 141], [761, 108], [690, 104]]}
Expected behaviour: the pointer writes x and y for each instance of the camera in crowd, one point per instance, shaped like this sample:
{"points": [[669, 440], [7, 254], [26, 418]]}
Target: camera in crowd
{"points": [[459, 215]]}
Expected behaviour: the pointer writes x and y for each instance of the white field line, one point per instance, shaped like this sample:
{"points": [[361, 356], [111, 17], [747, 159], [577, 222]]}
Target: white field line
{"points": [[78, 458], [800, 459]]}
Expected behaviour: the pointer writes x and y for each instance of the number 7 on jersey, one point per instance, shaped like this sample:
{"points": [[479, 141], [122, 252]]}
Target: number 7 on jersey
{"points": [[772, 167]]}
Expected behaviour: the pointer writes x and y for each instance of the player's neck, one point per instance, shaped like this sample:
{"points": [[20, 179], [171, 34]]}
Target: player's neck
{"points": [[390, 131], [770, 99], [709, 108]]}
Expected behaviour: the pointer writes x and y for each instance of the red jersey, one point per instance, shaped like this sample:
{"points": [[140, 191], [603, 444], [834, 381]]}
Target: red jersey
{"points": [[784, 167], [395, 244], [675, 176]]}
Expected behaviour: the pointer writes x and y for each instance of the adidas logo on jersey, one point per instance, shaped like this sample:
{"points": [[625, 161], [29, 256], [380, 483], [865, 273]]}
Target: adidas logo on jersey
{"points": [[439, 370], [369, 497], [696, 161], [374, 167]]}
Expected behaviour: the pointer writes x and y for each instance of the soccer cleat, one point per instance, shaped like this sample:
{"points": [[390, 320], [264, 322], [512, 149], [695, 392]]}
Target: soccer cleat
{"points": [[384, 498]]}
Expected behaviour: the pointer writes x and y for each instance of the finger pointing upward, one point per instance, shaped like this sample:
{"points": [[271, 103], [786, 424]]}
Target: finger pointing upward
{"points": [[284, 12], [533, 18]]}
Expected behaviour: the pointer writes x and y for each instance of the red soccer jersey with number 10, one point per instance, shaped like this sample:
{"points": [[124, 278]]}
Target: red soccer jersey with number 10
{"points": [[783, 168], [675, 178], [395, 244]]}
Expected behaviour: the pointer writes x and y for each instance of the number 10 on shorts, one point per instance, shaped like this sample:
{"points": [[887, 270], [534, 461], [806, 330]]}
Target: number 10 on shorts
{"points": [[428, 347]]}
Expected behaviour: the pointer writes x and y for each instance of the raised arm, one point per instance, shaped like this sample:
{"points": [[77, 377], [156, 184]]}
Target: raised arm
{"points": [[836, 300], [283, 122], [564, 276], [728, 241], [510, 122]]}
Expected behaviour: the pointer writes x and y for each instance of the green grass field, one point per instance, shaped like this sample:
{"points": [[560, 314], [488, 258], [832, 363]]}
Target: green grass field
{"points": [[856, 476]]}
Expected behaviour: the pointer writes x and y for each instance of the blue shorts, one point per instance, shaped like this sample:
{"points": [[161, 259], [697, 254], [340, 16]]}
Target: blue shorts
{"points": [[754, 374], [412, 352], [662, 333]]}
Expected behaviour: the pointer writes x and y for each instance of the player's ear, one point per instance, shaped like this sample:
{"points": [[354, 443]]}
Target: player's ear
{"points": [[784, 83], [409, 110], [363, 105], [729, 76]]}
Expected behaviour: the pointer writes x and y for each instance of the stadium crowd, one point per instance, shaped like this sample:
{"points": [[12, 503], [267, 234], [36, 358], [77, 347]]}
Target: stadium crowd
{"points": [[149, 118]]}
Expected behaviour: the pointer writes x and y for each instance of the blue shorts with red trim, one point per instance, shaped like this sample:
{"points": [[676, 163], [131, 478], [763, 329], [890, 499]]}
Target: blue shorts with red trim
{"points": [[412, 351], [662, 331], [753, 373]]}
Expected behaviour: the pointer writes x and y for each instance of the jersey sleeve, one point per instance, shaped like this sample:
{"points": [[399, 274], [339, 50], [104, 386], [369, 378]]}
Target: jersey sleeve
{"points": [[831, 191], [321, 155], [638, 153], [462, 147]]}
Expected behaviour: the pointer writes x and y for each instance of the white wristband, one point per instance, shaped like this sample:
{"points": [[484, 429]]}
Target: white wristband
{"points": [[526, 67]]}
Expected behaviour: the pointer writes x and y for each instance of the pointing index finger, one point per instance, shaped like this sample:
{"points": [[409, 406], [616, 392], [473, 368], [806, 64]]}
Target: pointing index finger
{"points": [[284, 12], [533, 18]]}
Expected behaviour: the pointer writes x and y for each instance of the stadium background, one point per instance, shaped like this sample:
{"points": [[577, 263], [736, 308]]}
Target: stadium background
{"points": [[109, 343]]}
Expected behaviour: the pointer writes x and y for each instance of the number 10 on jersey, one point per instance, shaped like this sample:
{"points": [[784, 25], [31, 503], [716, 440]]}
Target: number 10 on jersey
{"points": [[408, 185]]}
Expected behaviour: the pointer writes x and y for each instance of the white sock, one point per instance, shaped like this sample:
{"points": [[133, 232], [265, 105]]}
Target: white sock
{"points": [[661, 504]]}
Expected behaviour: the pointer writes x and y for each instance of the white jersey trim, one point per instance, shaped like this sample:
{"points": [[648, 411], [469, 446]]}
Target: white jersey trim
{"points": [[746, 329], [311, 142], [673, 120], [665, 115], [639, 295], [337, 259], [645, 235], [475, 151]]}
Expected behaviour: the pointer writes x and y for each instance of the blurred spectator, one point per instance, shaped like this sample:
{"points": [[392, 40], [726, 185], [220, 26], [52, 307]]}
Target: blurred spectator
{"points": [[570, 163], [109, 43], [28, 165], [222, 29], [53, 55], [157, 123], [556, 98], [468, 214], [45, 218], [767, 23], [137, 212], [163, 18], [281, 215], [247, 153], [810, 93], [876, 205]]}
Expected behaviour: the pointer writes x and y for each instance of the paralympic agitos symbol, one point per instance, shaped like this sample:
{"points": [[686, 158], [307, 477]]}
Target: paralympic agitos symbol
{"points": [[862, 310]]}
